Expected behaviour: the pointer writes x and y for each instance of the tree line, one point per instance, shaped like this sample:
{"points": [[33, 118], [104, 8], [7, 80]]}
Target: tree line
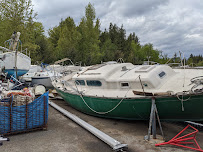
{"points": [[195, 60], [88, 44], [84, 42]]}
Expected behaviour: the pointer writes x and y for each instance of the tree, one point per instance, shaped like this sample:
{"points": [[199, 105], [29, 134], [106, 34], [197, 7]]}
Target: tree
{"points": [[69, 37], [88, 44], [163, 58], [200, 63], [132, 49], [88, 49], [121, 39], [108, 51], [135, 53], [176, 59], [18, 15], [41, 41], [54, 35], [195, 60]]}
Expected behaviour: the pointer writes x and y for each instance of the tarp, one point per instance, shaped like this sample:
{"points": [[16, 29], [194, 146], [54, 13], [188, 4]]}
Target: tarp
{"points": [[26, 117]]}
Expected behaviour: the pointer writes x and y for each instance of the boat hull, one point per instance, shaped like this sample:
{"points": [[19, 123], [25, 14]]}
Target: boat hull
{"points": [[23, 63], [169, 108], [11, 72], [45, 81]]}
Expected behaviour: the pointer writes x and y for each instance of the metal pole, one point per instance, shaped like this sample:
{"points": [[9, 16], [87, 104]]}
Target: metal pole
{"points": [[16, 74], [16, 39], [26, 107], [10, 111], [195, 123], [142, 85], [116, 145], [154, 125], [45, 112], [162, 133], [150, 121]]}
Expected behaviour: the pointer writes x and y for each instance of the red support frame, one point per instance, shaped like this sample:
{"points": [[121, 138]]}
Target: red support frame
{"points": [[182, 141]]}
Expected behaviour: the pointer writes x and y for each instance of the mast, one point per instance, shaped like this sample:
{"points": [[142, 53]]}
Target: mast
{"points": [[14, 42]]}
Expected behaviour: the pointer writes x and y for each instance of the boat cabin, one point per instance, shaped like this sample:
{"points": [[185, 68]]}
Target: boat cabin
{"points": [[124, 76]]}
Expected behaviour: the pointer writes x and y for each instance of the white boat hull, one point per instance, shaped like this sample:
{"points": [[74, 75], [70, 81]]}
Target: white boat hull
{"points": [[8, 62]]}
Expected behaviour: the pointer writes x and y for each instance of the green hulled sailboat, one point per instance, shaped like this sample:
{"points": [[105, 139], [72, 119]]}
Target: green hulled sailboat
{"points": [[125, 91]]}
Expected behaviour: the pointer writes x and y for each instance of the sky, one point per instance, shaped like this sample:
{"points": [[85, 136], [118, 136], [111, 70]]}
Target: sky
{"points": [[170, 25]]}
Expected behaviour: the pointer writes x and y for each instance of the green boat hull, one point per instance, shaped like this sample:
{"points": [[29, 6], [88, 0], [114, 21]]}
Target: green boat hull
{"points": [[169, 108]]}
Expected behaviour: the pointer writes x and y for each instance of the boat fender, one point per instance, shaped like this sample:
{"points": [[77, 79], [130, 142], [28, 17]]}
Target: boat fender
{"points": [[39, 90]]}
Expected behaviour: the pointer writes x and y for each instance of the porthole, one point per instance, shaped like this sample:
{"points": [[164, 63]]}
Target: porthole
{"points": [[124, 84], [80, 82], [162, 74], [94, 83]]}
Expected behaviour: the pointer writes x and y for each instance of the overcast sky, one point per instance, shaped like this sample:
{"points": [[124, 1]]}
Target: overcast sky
{"points": [[170, 25]]}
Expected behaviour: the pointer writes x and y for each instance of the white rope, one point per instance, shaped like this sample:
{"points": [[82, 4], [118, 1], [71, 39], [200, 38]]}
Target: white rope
{"points": [[106, 111], [182, 98]]}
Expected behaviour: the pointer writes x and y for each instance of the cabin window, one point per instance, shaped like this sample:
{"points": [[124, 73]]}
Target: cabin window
{"points": [[80, 82], [93, 83], [162, 74], [124, 84]]}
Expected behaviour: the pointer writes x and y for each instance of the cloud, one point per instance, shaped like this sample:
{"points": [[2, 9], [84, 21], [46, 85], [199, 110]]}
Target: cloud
{"points": [[170, 25], [50, 12], [140, 8]]}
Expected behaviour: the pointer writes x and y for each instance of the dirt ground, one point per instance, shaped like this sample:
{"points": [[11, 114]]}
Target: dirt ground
{"points": [[64, 135]]}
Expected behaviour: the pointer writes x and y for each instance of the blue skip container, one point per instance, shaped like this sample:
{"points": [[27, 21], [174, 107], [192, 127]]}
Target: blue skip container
{"points": [[24, 118]]}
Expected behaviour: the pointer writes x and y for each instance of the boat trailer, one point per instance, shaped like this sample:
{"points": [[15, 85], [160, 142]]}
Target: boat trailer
{"points": [[116, 145]]}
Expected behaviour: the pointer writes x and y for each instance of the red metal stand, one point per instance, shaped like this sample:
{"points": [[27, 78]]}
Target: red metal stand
{"points": [[181, 141]]}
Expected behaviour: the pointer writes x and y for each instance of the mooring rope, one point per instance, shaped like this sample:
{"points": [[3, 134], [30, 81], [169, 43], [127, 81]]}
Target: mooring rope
{"points": [[182, 98], [106, 111]]}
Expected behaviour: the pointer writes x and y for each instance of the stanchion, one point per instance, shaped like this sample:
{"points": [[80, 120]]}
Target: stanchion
{"points": [[152, 122]]}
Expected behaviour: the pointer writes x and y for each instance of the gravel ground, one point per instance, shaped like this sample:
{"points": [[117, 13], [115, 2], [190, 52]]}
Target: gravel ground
{"points": [[63, 135]]}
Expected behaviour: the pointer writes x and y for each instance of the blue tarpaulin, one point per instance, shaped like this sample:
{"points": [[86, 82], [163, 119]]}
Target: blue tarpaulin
{"points": [[24, 118]]}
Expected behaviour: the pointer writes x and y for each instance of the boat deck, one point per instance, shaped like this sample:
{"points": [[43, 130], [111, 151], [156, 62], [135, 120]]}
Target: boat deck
{"points": [[65, 135]]}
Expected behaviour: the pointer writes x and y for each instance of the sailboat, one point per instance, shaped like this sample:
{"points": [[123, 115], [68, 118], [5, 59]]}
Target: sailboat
{"points": [[55, 71], [126, 91], [12, 61]]}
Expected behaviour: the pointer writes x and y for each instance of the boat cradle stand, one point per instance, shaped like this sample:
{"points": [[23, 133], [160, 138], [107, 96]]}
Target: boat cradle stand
{"points": [[152, 122], [3, 139], [116, 145]]}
